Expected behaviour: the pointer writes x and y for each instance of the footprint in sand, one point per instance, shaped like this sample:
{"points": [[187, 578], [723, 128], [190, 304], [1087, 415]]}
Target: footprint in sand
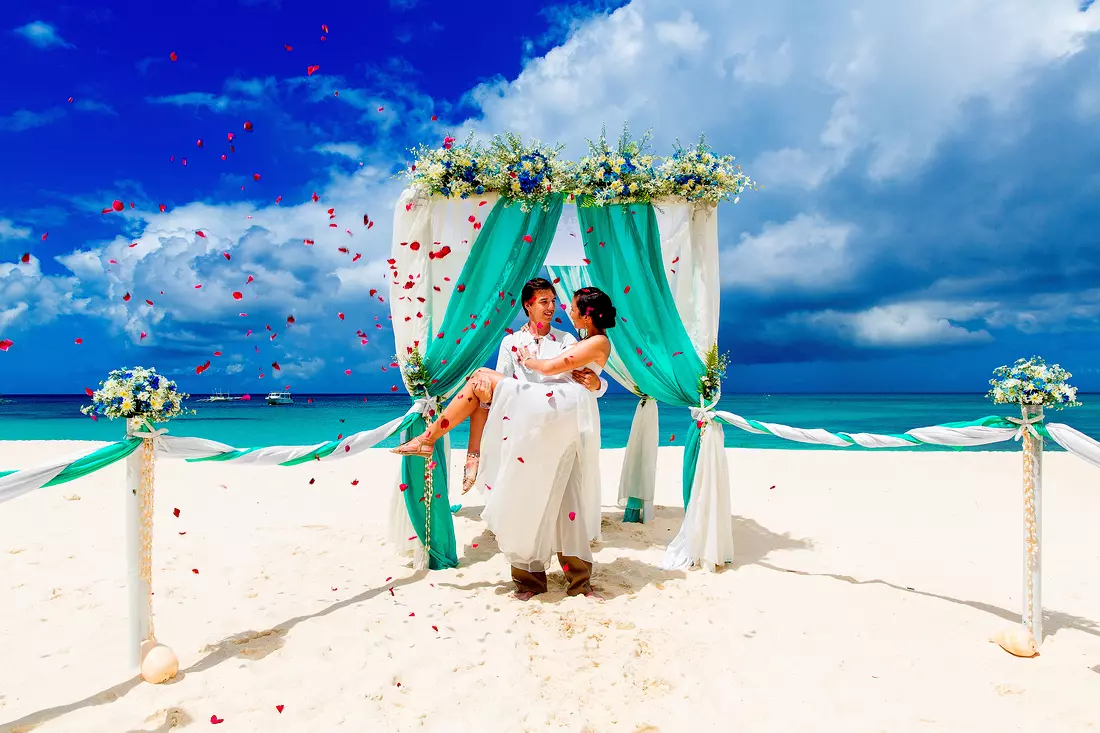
{"points": [[166, 720]]}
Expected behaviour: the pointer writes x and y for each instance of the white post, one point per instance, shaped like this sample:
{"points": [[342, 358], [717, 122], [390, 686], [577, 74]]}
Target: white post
{"points": [[139, 540], [1032, 616]]}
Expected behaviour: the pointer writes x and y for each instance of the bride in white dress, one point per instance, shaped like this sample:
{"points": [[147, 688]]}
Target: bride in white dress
{"points": [[539, 461]]}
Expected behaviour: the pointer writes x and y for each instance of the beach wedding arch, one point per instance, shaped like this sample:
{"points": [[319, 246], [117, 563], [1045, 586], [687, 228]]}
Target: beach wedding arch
{"points": [[479, 219]]}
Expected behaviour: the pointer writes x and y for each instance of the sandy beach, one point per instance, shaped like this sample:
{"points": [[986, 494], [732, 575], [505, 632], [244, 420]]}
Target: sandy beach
{"points": [[863, 596]]}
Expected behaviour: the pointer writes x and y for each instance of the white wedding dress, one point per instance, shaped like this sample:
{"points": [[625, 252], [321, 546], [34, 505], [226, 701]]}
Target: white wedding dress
{"points": [[539, 470]]}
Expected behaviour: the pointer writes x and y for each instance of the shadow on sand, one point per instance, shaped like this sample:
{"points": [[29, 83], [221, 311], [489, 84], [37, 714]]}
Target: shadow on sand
{"points": [[623, 576]]}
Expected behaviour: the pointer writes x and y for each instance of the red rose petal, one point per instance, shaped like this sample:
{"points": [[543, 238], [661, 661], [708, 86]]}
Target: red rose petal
{"points": [[175, 512], [214, 720], [572, 516], [279, 708]]}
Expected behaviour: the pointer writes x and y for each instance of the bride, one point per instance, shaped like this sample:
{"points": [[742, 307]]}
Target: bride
{"points": [[540, 453]]}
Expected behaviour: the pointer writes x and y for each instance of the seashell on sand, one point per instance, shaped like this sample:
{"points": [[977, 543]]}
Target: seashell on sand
{"points": [[1017, 640]]}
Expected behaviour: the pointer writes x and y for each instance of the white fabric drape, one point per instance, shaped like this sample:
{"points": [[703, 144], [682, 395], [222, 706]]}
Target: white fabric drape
{"points": [[424, 276], [639, 475], [706, 535], [1075, 442], [689, 250], [30, 479]]}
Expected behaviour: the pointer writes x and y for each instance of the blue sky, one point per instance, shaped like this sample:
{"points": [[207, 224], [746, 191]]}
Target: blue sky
{"points": [[929, 211]]}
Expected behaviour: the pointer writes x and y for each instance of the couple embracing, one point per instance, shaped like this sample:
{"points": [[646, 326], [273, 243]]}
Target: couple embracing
{"points": [[535, 438]]}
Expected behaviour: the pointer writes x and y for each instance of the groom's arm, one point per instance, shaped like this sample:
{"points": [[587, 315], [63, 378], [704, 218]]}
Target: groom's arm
{"points": [[568, 340]]}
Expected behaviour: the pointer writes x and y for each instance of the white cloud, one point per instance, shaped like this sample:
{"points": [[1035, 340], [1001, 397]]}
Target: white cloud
{"points": [[215, 102], [808, 253], [33, 298], [90, 105], [42, 35], [8, 230], [812, 85], [347, 150], [266, 242], [914, 324], [684, 33], [25, 119]]}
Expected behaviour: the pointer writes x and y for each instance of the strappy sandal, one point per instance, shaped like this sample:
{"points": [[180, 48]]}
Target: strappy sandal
{"points": [[469, 473], [415, 447]]}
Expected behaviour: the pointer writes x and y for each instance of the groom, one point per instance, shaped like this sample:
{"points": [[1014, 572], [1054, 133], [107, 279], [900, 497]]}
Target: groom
{"points": [[539, 302], [545, 341]]}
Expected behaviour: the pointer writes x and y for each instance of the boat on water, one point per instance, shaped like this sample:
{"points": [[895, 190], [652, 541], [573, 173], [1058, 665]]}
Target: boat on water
{"points": [[220, 397], [280, 398]]}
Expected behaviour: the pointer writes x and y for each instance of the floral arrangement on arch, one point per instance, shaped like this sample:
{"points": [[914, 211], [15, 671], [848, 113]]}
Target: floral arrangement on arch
{"points": [[710, 384], [137, 392], [527, 173], [697, 174], [414, 373], [624, 173], [621, 174], [452, 170], [1033, 382]]}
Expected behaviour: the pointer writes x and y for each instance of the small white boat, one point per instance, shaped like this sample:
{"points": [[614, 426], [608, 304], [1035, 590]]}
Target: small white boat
{"points": [[220, 397], [280, 398]]}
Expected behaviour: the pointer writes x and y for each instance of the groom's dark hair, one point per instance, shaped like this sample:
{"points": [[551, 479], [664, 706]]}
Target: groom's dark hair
{"points": [[531, 287]]}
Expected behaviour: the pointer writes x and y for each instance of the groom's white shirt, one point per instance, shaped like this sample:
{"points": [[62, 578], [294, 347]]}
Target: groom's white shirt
{"points": [[548, 347]]}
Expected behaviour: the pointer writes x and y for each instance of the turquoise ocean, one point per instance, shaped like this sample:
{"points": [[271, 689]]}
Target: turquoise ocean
{"points": [[316, 418]]}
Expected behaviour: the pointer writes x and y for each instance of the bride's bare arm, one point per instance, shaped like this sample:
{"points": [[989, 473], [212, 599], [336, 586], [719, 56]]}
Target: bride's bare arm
{"points": [[592, 349]]}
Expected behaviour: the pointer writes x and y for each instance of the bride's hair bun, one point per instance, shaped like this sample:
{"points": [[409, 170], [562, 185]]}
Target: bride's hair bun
{"points": [[596, 303]]}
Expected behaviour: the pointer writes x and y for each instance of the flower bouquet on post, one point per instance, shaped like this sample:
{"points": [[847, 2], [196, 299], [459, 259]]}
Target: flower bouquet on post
{"points": [[136, 393], [1032, 382], [142, 397]]}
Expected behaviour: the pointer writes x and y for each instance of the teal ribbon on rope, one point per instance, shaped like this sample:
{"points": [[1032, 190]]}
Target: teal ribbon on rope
{"points": [[90, 463]]}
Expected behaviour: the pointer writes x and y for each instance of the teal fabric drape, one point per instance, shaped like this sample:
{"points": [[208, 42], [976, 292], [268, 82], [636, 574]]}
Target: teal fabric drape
{"points": [[482, 305], [624, 253], [567, 280]]}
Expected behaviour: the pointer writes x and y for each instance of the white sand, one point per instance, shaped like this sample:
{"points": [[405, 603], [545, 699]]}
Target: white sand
{"points": [[865, 591]]}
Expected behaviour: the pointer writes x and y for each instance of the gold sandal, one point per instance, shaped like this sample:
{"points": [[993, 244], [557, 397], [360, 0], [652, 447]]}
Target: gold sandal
{"points": [[415, 447], [469, 473]]}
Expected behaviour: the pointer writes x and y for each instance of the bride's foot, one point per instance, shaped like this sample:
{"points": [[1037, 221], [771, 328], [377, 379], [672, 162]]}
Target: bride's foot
{"points": [[418, 446], [469, 474]]}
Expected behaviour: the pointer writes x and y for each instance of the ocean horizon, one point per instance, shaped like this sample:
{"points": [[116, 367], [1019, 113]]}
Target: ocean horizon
{"points": [[317, 417]]}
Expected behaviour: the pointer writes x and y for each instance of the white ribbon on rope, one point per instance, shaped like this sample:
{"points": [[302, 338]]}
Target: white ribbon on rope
{"points": [[191, 448]]}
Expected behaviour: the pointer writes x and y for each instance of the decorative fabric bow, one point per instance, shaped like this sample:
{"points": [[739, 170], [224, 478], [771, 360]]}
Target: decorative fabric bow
{"points": [[148, 433], [426, 406], [1028, 424], [702, 414]]}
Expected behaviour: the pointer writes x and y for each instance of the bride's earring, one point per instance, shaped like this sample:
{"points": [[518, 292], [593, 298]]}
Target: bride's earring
{"points": [[583, 332]]}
